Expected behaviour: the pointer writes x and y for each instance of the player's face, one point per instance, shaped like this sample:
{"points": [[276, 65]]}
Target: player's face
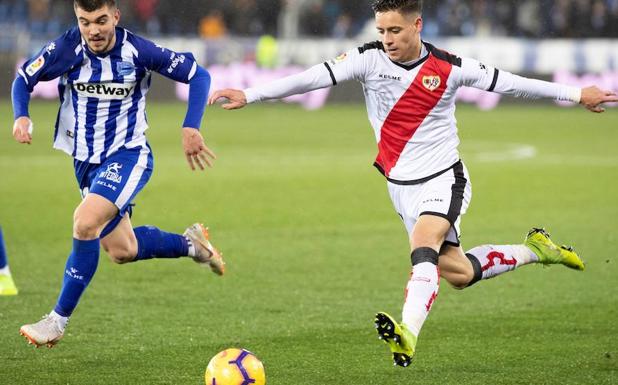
{"points": [[98, 28], [400, 34]]}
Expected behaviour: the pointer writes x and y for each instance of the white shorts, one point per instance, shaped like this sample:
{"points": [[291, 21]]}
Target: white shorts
{"points": [[447, 195]]}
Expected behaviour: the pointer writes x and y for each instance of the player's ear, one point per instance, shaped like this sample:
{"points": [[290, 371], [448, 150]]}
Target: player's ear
{"points": [[116, 16], [418, 23]]}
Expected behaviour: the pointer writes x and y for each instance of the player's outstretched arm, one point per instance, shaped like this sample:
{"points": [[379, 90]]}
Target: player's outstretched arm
{"points": [[476, 74], [313, 78], [236, 98], [196, 151], [593, 97]]}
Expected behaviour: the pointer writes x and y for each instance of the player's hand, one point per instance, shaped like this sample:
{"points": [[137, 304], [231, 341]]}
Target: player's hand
{"points": [[236, 98], [593, 97], [22, 130], [195, 149]]}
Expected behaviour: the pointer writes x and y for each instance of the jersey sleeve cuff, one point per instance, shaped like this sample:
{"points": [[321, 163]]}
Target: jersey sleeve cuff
{"points": [[575, 94], [251, 95]]}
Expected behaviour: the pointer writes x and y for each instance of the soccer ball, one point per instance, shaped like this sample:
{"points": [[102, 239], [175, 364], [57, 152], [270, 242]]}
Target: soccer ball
{"points": [[235, 367]]}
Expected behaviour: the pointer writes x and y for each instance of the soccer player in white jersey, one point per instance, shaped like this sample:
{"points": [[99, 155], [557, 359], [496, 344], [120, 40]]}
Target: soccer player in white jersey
{"points": [[7, 285], [410, 87], [105, 73]]}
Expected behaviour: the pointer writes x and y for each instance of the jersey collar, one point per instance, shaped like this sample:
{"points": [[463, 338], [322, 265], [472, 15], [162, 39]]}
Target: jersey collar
{"points": [[414, 63]]}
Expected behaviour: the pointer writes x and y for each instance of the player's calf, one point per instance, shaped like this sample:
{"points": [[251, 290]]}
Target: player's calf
{"points": [[119, 253], [489, 261]]}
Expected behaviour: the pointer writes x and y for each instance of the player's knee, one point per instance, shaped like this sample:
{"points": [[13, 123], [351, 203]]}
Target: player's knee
{"points": [[119, 255], [85, 228], [459, 282], [461, 277]]}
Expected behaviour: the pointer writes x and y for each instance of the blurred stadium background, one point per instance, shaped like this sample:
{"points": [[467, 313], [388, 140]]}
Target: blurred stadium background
{"points": [[313, 245], [524, 37]]}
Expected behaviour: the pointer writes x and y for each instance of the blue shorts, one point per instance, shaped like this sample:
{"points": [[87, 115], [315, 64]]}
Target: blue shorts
{"points": [[118, 179]]}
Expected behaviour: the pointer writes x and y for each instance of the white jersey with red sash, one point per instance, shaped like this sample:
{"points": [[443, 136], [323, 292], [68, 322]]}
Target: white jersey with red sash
{"points": [[412, 107]]}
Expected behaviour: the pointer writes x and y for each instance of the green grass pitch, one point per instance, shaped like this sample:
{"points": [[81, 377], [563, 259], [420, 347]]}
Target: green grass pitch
{"points": [[314, 249]]}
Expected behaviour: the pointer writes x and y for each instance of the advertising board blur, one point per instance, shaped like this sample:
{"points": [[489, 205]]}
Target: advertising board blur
{"points": [[243, 63]]}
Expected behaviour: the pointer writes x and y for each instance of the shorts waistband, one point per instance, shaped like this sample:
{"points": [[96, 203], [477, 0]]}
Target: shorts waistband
{"points": [[416, 181]]}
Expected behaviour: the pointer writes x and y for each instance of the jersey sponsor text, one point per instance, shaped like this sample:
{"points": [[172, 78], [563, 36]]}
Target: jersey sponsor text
{"points": [[106, 91]]}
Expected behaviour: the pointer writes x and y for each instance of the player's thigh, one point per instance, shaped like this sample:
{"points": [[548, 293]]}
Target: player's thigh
{"points": [[119, 179], [91, 216], [423, 231], [455, 267], [429, 231], [431, 211], [122, 176], [120, 244]]}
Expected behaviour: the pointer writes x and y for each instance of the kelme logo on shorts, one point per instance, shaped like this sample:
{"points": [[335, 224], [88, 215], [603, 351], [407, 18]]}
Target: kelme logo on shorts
{"points": [[106, 91]]}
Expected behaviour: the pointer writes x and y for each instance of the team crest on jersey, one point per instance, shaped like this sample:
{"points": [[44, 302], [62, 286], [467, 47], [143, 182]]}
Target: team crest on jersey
{"points": [[35, 66], [431, 82], [112, 173], [125, 68]]}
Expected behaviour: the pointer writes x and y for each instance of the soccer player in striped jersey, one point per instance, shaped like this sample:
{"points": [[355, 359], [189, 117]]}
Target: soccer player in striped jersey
{"points": [[7, 285], [410, 88], [105, 73]]}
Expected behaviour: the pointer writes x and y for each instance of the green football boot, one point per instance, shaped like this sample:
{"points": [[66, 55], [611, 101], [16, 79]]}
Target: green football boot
{"points": [[398, 338], [7, 286], [549, 253]]}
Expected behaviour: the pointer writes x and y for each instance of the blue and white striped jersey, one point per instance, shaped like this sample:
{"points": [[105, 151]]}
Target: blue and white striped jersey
{"points": [[103, 98]]}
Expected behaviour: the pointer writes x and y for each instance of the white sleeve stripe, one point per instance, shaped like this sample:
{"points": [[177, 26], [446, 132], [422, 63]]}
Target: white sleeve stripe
{"points": [[23, 75], [193, 71]]}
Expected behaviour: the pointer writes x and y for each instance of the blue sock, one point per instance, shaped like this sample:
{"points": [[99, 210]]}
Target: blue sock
{"points": [[80, 269], [3, 260], [155, 243]]}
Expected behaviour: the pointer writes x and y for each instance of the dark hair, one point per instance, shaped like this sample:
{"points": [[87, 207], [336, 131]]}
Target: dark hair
{"points": [[93, 5], [402, 6]]}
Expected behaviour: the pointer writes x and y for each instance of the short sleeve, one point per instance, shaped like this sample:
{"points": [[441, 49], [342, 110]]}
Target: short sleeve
{"points": [[347, 66], [178, 66], [55, 59], [478, 75]]}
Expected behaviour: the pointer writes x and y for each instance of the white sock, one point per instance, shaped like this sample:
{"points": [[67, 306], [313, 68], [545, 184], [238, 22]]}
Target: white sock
{"points": [[495, 260], [191, 248], [5, 270], [421, 291], [62, 321]]}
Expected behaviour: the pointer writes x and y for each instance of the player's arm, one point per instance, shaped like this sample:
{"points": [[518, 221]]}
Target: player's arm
{"points": [[22, 127], [183, 68], [52, 61], [196, 151], [476, 74], [345, 67]]}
